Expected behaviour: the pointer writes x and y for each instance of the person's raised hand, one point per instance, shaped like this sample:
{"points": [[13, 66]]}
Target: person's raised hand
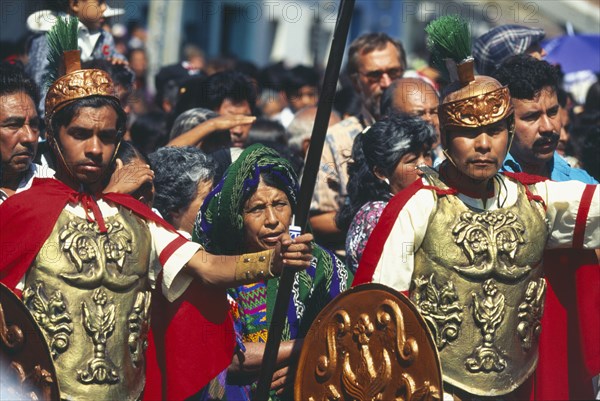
{"points": [[293, 253], [128, 178], [227, 122]]}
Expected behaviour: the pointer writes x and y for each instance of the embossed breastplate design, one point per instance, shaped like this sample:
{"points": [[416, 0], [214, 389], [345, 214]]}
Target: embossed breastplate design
{"points": [[90, 293], [481, 291]]}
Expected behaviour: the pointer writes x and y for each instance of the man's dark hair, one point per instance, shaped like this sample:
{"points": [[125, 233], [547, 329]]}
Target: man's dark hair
{"points": [[149, 132], [592, 98], [64, 116], [227, 85], [272, 76], [14, 80], [210, 92], [299, 77], [366, 44], [58, 5], [526, 76], [267, 131]]}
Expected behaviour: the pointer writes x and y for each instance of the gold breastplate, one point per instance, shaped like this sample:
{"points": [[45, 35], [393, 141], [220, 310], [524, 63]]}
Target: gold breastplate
{"points": [[89, 292], [478, 283]]}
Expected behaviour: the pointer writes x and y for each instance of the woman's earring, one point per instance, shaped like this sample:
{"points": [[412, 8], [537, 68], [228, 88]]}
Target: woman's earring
{"points": [[386, 181]]}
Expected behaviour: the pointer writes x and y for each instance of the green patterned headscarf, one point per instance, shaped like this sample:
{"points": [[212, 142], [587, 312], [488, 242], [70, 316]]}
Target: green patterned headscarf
{"points": [[220, 223]]}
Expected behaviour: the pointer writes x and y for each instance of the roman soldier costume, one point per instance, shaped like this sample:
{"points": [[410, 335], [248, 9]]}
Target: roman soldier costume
{"points": [[472, 266]]}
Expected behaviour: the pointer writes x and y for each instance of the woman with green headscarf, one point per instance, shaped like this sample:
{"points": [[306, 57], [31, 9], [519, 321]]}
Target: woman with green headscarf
{"points": [[247, 211]]}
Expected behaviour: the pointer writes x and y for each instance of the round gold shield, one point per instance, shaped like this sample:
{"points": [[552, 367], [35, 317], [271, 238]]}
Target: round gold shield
{"points": [[26, 367], [370, 343]]}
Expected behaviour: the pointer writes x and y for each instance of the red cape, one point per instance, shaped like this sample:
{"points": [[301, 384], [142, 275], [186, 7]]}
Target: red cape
{"points": [[570, 338], [195, 332]]}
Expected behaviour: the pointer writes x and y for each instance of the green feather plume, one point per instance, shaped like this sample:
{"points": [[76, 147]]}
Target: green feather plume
{"points": [[62, 37], [448, 37]]}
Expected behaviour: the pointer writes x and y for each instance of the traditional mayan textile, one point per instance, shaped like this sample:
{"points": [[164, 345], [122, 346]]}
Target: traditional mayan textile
{"points": [[219, 228], [312, 290]]}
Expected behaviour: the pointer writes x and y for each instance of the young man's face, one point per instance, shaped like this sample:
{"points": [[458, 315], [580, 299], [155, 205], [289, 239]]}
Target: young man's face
{"points": [[89, 12], [376, 71], [88, 143], [537, 126], [238, 134], [19, 132], [479, 152]]}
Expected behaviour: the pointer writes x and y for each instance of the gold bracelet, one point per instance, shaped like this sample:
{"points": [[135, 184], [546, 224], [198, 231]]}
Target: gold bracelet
{"points": [[253, 267]]}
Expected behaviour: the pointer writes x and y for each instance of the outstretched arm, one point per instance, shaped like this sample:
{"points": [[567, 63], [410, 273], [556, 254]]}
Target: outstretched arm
{"points": [[233, 271], [196, 135]]}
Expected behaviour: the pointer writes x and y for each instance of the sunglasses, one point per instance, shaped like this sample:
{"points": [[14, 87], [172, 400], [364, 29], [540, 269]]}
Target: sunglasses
{"points": [[375, 76]]}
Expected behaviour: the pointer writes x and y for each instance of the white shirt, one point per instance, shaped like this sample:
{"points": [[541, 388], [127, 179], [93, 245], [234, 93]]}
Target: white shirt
{"points": [[35, 171]]}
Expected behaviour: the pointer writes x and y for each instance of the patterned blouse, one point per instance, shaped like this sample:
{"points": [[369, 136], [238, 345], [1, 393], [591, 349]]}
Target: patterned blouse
{"points": [[362, 225]]}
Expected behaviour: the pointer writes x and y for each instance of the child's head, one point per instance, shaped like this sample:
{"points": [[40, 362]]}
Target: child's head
{"points": [[89, 12]]}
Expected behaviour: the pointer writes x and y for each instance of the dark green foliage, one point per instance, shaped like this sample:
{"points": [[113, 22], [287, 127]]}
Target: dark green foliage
{"points": [[448, 37], [62, 37]]}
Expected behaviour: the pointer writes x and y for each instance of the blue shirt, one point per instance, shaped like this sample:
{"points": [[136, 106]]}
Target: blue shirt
{"points": [[560, 170]]}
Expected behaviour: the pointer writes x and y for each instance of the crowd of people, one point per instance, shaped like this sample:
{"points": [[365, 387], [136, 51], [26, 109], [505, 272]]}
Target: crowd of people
{"points": [[156, 224]]}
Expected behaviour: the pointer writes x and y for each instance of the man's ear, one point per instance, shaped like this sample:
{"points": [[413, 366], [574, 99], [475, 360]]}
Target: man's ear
{"points": [[378, 173], [74, 6]]}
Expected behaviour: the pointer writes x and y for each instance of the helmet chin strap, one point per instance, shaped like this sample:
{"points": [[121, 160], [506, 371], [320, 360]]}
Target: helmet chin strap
{"points": [[445, 152]]}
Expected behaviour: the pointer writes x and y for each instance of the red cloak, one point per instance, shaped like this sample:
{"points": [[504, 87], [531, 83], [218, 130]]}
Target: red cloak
{"points": [[194, 335]]}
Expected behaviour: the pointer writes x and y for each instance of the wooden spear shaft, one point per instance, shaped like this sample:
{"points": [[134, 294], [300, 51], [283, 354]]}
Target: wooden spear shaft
{"points": [[309, 178]]}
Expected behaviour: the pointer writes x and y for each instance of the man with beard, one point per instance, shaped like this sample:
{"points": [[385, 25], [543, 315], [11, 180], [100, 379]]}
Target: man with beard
{"points": [[19, 131], [85, 263], [375, 60], [566, 365]]}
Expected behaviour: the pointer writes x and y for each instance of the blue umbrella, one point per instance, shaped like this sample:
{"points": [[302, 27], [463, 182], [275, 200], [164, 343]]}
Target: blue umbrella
{"points": [[574, 52]]}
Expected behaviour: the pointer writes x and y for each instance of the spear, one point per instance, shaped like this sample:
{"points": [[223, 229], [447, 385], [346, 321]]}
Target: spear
{"points": [[309, 178]]}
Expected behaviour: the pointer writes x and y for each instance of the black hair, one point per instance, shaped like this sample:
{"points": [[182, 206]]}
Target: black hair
{"points": [[382, 146], [149, 132], [264, 130], [64, 116], [248, 68], [58, 5], [298, 77], [13, 80], [128, 152], [348, 102], [592, 98], [227, 85], [272, 76], [587, 145], [526, 76]]}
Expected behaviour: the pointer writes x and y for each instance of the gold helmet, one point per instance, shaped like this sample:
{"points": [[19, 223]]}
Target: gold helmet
{"points": [[470, 100], [67, 81]]}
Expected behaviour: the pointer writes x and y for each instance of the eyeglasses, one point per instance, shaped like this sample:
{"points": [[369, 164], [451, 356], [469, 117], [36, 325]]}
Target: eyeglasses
{"points": [[375, 76]]}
